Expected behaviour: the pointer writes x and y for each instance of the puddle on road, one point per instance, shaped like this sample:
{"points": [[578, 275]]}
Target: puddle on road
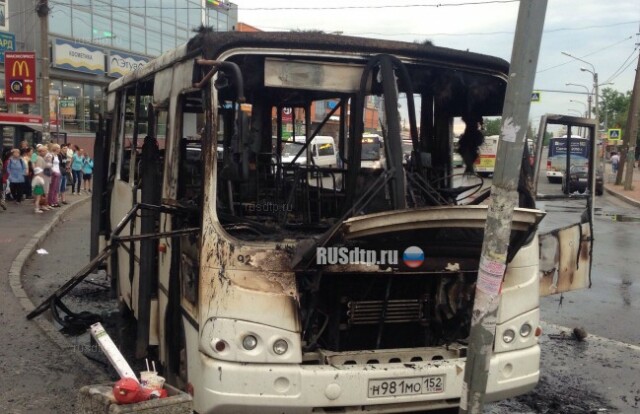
{"points": [[623, 218]]}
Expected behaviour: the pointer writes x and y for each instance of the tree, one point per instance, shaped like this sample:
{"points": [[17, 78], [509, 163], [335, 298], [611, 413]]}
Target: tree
{"points": [[492, 126], [613, 108]]}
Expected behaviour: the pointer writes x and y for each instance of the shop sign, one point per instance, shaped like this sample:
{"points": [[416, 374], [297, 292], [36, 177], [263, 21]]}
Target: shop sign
{"points": [[7, 42], [4, 16], [78, 57], [20, 77], [119, 64]]}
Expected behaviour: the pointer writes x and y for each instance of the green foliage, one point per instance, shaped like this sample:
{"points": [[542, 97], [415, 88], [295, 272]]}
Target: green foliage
{"points": [[547, 136], [614, 108], [492, 126]]}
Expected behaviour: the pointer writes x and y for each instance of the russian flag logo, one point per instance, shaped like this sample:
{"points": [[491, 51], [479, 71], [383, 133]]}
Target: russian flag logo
{"points": [[413, 257]]}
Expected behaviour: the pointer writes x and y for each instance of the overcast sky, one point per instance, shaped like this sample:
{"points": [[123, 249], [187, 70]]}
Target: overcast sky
{"points": [[602, 32]]}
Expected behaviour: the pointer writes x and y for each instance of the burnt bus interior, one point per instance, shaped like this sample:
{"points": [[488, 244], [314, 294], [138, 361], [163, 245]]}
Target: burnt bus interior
{"points": [[260, 197]]}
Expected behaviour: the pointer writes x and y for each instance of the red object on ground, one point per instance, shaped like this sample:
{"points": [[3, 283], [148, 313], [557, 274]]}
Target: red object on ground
{"points": [[127, 391]]}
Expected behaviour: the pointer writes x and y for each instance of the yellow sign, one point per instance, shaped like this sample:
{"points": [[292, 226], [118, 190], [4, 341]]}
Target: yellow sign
{"points": [[615, 134], [20, 68], [487, 162]]}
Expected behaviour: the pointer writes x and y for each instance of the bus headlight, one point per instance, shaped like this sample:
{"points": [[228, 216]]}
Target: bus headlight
{"points": [[525, 330], [249, 342], [280, 347], [508, 336]]}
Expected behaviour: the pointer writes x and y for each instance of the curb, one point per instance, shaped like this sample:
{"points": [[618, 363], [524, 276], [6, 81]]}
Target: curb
{"points": [[15, 281], [622, 197]]}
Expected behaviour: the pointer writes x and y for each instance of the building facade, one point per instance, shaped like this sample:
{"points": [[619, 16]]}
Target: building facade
{"points": [[93, 42]]}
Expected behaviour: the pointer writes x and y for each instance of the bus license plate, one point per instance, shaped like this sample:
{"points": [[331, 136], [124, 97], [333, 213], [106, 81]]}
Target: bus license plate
{"points": [[432, 384]]}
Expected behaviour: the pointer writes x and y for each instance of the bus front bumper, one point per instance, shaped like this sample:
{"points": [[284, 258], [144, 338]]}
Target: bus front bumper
{"points": [[227, 387]]}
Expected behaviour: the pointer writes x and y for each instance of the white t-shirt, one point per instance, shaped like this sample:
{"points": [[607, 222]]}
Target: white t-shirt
{"points": [[615, 159], [56, 164]]}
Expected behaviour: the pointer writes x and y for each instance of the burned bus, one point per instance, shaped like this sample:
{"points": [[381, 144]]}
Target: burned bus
{"points": [[290, 287]]}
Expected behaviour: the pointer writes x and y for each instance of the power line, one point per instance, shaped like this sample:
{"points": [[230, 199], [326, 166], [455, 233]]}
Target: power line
{"points": [[626, 67], [315, 8], [476, 33], [588, 54], [615, 74]]}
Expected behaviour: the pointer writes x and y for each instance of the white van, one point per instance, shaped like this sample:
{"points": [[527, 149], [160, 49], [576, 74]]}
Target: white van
{"points": [[322, 149]]}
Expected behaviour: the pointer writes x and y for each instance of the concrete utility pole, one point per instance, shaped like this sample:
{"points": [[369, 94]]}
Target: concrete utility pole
{"points": [[631, 133], [504, 198], [43, 13]]}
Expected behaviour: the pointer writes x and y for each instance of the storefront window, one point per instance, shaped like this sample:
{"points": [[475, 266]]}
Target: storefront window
{"points": [[93, 100], [82, 25], [122, 38], [55, 89], [154, 46], [102, 31], [195, 14], [60, 20], [71, 107], [121, 10], [138, 43]]}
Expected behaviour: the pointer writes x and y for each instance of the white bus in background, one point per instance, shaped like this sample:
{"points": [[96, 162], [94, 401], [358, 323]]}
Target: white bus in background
{"points": [[372, 151], [486, 162], [557, 156]]}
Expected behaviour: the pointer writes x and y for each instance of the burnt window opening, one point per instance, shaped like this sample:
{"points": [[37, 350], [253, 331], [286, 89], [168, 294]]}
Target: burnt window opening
{"points": [[277, 179]]}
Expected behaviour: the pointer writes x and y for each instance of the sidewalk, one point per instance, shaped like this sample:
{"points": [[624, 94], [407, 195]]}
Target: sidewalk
{"points": [[632, 196], [40, 372]]}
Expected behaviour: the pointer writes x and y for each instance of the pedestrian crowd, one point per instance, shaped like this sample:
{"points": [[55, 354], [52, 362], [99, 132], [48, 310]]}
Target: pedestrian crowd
{"points": [[43, 175]]}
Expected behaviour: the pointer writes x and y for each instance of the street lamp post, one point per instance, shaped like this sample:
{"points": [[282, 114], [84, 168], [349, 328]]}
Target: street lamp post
{"points": [[589, 93], [596, 110]]}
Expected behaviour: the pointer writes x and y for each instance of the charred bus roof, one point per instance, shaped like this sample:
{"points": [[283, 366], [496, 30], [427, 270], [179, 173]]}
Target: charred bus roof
{"points": [[463, 78]]}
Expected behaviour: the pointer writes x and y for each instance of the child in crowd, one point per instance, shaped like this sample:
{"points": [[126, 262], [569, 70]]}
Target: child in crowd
{"points": [[37, 185]]}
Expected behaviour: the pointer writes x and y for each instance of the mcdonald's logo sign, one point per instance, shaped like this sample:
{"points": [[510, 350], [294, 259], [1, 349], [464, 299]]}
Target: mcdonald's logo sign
{"points": [[20, 77], [20, 68]]}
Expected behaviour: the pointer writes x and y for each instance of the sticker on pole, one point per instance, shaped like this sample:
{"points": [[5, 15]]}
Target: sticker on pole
{"points": [[490, 275], [509, 130]]}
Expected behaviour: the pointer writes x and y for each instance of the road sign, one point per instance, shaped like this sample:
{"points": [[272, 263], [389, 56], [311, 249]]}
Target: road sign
{"points": [[536, 96], [615, 134], [20, 77]]}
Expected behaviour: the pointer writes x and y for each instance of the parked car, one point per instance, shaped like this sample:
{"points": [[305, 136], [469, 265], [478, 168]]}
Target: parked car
{"points": [[579, 180]]}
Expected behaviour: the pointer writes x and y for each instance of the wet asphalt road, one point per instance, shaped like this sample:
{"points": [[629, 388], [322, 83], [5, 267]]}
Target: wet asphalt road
{"points": [[598, 375]]}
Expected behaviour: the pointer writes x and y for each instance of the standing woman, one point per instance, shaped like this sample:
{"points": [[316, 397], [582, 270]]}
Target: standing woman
{"points": [[16, 169], [26, 154], [87, 170], [65, 170], [77, 162], [56, 175]]}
